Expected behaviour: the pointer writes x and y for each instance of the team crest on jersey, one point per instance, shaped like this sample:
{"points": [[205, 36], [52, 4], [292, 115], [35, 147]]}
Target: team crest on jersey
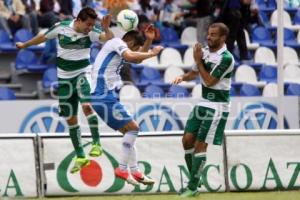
{"points": [[74, 37]]}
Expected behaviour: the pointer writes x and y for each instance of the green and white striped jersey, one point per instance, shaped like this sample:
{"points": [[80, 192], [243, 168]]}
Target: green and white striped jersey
{"points": [[220, 65], [73, 49]]}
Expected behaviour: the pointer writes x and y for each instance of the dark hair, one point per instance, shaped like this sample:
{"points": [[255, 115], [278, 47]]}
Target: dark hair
{"points": [[223, 29], [136, 36], [86, 13]]}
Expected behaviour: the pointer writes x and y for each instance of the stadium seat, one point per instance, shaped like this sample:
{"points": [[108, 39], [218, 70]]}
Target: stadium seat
{"points": [[268, 74], [129, 92], [286, 21], [177, 91], [263, 36], [134, 76], [266, 6], [289, 39], [290, 56], [232, 91], [293, 89], [292, 74], [26, 61], [265, 19], [188, 58], [246, 74], [170, 56], [153, 91], [197, 91], [250, 45], [152, 62], [189, 36], [50, 78], [296, 19], [23, 35], [265, 56], [150, 76], [7, 94], [170, 38], [270, 90], [249, 90], [6, 45], [172, 72]]}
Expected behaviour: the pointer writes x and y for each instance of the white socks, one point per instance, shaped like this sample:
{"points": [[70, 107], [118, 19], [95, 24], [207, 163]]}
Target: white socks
{"points": [[128, 150]]}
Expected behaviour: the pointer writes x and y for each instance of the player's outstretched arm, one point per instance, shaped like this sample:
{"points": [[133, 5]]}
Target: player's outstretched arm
{"points": [[137, 57], [38, 39], [191, 75], [107, 34]]}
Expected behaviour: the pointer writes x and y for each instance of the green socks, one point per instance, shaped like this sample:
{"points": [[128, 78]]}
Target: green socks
{"points": [[188, 156], [75, 135], [93, 124], [198, 163]]}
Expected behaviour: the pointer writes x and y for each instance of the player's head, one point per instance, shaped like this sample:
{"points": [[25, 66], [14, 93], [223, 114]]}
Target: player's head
{"points": [[86, 20], [134, 40], [216, 35]]}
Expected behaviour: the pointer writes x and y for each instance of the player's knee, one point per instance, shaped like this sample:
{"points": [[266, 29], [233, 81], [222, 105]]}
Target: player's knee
{"points": [[72, 121], [87, 109], [187, 142]]}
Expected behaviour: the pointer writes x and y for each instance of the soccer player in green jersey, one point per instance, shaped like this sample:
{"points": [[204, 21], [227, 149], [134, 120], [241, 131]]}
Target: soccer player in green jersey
{"points": [[207, 120], [74, 40]]}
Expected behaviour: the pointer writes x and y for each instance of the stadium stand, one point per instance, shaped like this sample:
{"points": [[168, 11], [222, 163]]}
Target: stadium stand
{"points": [[7, 94], [129, 92], [153, 91], [249, 90]]}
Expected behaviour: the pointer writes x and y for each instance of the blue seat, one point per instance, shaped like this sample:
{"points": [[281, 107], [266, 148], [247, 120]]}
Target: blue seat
{"points": [[265, 19], [268, 74], [290, 39], [150, 76], [296, 19], [263, 36], [177, 91], [232, 92], [267, 6], [6, 45], [27, 61], [293, 89], [169, 38], [23, 35], [153, 91], [7, 94], [249, 90], [50, 78]]}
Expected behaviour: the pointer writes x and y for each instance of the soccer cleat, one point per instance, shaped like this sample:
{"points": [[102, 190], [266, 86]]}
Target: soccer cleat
{"points": [[185, 193], [142, 178], [125, 175], [96, 150], [79, 164]]}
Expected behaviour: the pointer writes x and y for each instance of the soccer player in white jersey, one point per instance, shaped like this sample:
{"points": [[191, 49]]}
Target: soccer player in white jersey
{"points": [[74, 40], [105, 80], [207, 121]]}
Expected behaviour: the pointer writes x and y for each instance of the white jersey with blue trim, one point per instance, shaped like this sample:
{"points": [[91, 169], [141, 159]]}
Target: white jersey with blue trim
{"points": [[107, 67]]}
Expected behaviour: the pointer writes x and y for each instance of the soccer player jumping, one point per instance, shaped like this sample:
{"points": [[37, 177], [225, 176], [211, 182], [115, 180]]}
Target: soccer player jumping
{"points": [[105, 79], [74, 40]]}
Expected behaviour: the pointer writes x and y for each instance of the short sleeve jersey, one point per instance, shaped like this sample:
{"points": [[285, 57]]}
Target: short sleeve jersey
{"points": [[107, 66], [73, 49]]}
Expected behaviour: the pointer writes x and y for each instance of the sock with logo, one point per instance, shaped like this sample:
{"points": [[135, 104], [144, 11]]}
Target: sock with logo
{"points": [[75, 135], [93, 124], [188, 156], [199, 160], [127, 146]]}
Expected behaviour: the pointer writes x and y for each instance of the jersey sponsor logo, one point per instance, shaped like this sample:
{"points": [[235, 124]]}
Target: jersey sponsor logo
{"points": [[156, 117], [43, 119], [259, 115]]}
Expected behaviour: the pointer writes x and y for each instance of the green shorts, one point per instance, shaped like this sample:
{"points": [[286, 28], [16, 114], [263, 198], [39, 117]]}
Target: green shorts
{"points": [[71, 92], [207, 124]]}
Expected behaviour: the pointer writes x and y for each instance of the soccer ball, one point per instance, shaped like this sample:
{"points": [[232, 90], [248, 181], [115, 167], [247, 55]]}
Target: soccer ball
{"points": [[127, 20]]}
